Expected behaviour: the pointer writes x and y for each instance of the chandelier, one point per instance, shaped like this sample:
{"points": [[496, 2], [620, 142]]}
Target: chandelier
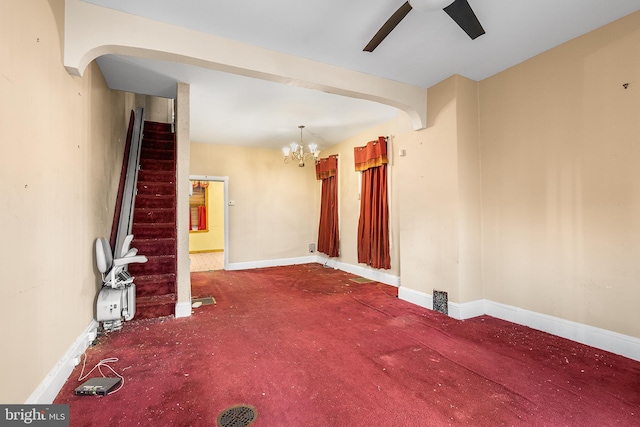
{"points": [[297, 153]]}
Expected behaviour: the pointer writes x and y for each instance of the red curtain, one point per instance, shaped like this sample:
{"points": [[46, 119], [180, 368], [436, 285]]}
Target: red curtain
{"points": [[202, 218], [328, 236], [373, 225]]}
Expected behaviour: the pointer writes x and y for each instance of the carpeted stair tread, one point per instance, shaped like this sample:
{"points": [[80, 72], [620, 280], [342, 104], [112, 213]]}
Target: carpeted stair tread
{"points": [[152, 215], [154, 230], [159, 143], [156, 188], [157, 126], [152, 285], [158, 133], [161, 246], [149, 307], [143, 279], [153, 201], [158, 165], [166, 298], [156, 264], [156, 176], [156, 154], [152, 139]]}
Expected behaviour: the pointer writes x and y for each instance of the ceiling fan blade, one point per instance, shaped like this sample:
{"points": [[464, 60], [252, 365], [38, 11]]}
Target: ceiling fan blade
{"points": [[388, 26], [461, 12]]}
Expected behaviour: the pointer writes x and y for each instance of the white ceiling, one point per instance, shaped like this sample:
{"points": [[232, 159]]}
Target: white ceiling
{"points": [[425, 48]]}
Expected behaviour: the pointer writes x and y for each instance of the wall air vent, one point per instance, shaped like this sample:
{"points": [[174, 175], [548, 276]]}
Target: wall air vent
{"points": [[441, 302]]}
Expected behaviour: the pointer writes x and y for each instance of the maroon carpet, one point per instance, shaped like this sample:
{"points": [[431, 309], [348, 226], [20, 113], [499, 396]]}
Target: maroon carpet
{"points": [[306, 346]]}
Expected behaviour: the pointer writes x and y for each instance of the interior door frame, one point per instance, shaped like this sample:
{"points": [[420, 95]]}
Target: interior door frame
{"points": [[225, 181]]}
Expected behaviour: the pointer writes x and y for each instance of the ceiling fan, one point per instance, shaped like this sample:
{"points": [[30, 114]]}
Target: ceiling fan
{"points": [[458, 10]]}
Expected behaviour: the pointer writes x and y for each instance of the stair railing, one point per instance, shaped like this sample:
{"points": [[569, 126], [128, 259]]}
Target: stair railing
{"points": [[125, 221]]}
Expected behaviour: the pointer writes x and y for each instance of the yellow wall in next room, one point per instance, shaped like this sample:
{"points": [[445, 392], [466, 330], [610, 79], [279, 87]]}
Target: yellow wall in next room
{"points": [[213, 238]]}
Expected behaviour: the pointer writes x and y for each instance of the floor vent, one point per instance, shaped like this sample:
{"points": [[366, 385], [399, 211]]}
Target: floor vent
{"points": [[237, 416], [441, 302], [361, 280], [203, 301]]}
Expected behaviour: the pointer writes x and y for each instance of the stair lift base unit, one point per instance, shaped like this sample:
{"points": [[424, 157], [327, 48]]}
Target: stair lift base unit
{"points": [[116, 301], [114, 305]]}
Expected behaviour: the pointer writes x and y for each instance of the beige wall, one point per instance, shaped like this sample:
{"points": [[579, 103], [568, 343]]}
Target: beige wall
{"points": [[561, 181], [277, 206], [523, 189], [439, 195], [469, 192], [276, 209], [62, 144], [156, 109], [213, 238]]}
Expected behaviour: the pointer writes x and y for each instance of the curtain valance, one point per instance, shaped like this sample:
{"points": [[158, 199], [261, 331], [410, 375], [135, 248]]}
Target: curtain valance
{"points": [[199, 184], [371, 155], [327, 167]]}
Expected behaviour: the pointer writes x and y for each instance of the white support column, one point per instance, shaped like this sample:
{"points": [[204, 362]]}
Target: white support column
{"points": [[183, 141]]}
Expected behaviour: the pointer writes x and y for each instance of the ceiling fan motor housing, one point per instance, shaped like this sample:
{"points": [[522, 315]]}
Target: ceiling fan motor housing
{"points": [[429, 5]]}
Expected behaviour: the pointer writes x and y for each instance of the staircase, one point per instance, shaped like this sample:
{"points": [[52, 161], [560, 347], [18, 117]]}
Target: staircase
{"points": [[154, 223]]}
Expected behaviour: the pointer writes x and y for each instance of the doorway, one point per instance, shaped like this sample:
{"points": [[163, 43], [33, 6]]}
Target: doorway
{"points": [[208, 233]]}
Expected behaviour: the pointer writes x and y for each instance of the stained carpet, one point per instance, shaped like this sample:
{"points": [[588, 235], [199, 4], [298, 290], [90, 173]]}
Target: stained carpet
{"points": [[306, 346]]}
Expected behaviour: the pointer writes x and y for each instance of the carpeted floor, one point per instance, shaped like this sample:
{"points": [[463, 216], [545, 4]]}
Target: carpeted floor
{"points": [[306, 346]]}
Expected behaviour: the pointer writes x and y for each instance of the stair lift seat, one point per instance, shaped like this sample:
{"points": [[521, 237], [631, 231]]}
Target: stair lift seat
{"points": [[117, 298]]}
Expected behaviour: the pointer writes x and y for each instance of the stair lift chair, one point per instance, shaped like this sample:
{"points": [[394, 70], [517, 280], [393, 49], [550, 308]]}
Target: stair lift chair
{"points": [[117, 298]]}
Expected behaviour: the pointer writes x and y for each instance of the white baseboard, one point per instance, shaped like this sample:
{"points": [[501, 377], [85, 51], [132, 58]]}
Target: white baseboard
{"points": [[183, 309], [271, 263], [416, 297], [361, 270], [53, 382], [467, 310], [603, 339]]}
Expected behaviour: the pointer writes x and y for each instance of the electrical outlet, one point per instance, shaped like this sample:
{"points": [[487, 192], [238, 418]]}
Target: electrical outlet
{"points": [[312, 248]]}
